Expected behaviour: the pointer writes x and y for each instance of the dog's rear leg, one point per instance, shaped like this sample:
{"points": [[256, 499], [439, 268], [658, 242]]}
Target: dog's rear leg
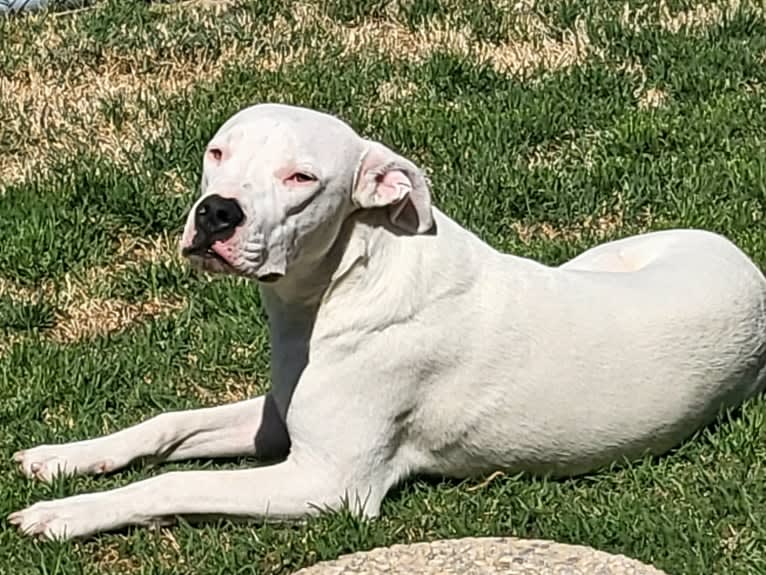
{"points": [[251, 427]]}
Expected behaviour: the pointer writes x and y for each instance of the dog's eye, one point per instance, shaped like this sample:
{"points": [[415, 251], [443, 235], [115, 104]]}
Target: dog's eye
{"points": [[215, 153], [301, 178]]}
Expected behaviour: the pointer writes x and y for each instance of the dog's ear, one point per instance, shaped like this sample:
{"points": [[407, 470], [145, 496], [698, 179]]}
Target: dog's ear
{"points": [[386, 179]]}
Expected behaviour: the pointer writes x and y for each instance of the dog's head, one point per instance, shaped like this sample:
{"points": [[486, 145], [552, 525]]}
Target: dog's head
{"points": [[279, 181]]}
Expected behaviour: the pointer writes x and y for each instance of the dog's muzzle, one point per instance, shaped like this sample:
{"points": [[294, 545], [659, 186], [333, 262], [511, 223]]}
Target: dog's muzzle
{"points": [[215, 220]]}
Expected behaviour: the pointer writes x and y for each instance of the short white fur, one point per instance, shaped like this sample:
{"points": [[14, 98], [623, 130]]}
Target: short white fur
{"points": [[403, 344]]}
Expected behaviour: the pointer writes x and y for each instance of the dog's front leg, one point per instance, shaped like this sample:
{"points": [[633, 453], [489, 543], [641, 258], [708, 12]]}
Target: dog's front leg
{"points": [[286, 490], [251, 427]]}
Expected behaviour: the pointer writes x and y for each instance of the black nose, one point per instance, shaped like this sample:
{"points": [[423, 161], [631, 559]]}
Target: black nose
{"points": [[216, 217]]}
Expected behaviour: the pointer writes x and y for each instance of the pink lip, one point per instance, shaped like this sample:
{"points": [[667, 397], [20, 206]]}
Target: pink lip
{"points": [[223, 251]]}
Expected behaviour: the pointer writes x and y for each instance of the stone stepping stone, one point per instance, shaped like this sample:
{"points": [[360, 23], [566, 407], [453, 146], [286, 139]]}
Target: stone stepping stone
{"points": [[482, 556]]}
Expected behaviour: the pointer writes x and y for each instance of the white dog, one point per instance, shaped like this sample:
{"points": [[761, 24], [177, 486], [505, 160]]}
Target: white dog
{"points": [[402, 344]]}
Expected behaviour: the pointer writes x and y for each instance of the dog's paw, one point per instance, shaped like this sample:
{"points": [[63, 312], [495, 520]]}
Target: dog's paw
{"points": [[59, 519], [48, 461]]}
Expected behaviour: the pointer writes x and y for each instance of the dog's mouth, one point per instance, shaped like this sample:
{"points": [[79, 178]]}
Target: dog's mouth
{"points": [[269, 278], [201, 253], [200, 247], [205, 255]]}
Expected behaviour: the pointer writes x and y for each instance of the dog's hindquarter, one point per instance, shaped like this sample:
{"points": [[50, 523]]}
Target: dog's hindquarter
{"points": [[564, 371]]}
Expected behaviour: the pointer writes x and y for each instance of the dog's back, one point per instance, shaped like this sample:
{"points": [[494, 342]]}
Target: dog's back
{"points": [[566, 369]]}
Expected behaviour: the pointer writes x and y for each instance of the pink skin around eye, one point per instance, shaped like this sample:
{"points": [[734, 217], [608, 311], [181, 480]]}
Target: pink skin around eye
{"points": [[291, 176], [215, 154]]}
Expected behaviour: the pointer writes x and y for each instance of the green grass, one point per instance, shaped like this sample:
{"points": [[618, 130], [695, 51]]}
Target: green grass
{"points": [[550, 149]]}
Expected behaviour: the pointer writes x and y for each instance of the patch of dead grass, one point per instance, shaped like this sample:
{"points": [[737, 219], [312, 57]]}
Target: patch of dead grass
{"points": [[154, 249], [216, 6], [15, 291], [109, 557], [58, 416], [99, 316], [50, 112], [580, 147], [601, 227], [8, 340], [231, 390], [104, 110], [395, 91], [704, 15], [648, 98], [83, 314], [652, 98], [538, 49], [701, 16], [131, 251]]}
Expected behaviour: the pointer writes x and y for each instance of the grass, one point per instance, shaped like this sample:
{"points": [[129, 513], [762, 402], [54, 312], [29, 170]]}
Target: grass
{"points": [[547, 126]]}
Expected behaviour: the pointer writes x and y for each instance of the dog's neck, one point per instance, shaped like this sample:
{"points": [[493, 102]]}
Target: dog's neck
{"points": [[372, 270], [305, 286], [373, 277], [298, 303]]}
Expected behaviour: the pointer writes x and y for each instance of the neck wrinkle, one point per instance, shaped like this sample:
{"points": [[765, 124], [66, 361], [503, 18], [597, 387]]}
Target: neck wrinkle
{"points": [[304, 291]]}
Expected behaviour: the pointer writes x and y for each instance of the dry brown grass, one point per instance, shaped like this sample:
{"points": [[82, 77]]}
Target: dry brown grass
{"points": [[51, 117], [538, 49], [648, 98], [701, 16], [58, 417], [652, 98], [131, 251], [8, 340], [600, 227], [396, 91], [155, 249], [49, 112], [98, 316], [82, 313], [231, 389], [15, 291], [705, 14], [215, 6], [109, 557], [234, 389], [579, 147]]}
